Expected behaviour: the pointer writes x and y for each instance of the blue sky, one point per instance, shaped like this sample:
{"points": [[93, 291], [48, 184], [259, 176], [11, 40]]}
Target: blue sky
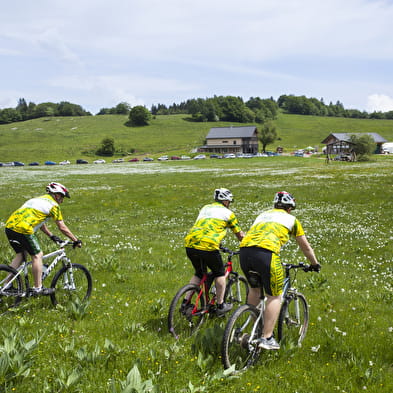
{"points": [[99, 53]]}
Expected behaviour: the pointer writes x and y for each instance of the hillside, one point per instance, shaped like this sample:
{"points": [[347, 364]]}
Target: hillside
{"points": [[70, 138]]}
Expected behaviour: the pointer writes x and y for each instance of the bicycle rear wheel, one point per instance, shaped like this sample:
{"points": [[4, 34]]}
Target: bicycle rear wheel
{"points": [[10, 293], [186, 312], [293, 320], [71, 283], [238, 345], [236, 291]]}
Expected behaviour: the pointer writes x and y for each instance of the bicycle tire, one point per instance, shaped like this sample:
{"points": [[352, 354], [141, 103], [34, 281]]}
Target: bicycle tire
{"points": [[238, 348], [184, 320], [13, 297], [293, 320], [232, 293], [64, 291]]}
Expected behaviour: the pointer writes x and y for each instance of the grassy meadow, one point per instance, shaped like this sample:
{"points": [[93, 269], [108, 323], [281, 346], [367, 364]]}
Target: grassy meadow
{"points": [[132, 219], [70, 138]]}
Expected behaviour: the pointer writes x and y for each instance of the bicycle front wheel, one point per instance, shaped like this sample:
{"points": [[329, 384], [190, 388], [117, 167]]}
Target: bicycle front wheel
{"points": [[236, 291], [10, 288], [71, 283], [238, 347], [293, 320], [186, 312]]}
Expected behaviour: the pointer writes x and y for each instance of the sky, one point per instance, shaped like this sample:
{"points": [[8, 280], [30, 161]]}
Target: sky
{"points": [[99, 53]]}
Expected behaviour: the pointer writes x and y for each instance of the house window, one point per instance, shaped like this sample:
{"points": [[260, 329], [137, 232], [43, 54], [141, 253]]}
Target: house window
{"points": [[234, 142], [224, 141]]}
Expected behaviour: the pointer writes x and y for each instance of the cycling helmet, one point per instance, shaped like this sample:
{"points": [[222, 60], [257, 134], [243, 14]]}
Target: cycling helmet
{"points": [[284, 200], [222, 194], [57, 188]]}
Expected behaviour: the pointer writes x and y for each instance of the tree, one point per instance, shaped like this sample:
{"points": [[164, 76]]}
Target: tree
{"points": [[267, 135], [107, 147], [363, 146], [139, 116]]}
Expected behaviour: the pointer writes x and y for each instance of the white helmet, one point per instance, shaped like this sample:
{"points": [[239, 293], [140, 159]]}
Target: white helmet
{"points": [[223, 194], [284, 200], [57, 188]]}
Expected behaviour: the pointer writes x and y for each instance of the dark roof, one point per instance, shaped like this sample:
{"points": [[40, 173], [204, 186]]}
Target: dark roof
{"points": [[231, 132], [346, 136]]}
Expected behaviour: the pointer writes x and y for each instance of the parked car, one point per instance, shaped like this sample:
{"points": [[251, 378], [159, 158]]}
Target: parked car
{"points": [[148, 159], [80, 161], [175, 158], [34, 163], [118, 160], [215, 156], [185, 158], [65, 162], [200, 157], [248, 155], [99, 161], [133, 159], [50, 163], [162, 158], [18, 163], [229, 155], [343, 157]]}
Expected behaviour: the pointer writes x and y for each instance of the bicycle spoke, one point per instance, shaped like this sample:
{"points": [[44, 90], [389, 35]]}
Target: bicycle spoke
{"points": [[238, 346]]}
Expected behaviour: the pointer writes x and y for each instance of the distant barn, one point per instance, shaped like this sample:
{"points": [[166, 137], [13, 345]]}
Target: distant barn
{"points": [[340, 143]]}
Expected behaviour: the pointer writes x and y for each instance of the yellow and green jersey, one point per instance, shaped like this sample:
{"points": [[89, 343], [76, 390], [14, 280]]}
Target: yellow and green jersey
{"points": [[210, 227], [29, 218], [271, 230]]}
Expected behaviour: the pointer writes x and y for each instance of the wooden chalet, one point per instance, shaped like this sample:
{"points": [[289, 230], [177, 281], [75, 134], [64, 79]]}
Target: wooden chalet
{"points": [[340, 143], [231, 140]]}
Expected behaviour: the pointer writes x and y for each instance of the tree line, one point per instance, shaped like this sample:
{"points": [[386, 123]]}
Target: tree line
{"points": [[24, 111], [217, 108]]}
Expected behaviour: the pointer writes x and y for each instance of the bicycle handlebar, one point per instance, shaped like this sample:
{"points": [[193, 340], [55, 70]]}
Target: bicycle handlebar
{"points": [[306, 268], [229, 251], [69, 243]]}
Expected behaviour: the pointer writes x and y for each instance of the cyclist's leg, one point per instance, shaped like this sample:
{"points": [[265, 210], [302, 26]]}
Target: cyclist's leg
{"points": [[249, 262], [37, 269], [273, 285]]}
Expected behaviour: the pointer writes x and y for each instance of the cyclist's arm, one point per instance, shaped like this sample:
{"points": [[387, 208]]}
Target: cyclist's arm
{"points": [[240, 235], [307, 250], [65, 231], [45, 229]]}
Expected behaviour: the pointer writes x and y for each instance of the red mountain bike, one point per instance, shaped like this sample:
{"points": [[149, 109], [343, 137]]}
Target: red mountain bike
{"points": [[192, 303]]}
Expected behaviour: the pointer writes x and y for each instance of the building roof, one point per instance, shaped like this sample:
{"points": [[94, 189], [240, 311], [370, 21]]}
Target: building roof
{"points": [[346, 136], [231, 132]]}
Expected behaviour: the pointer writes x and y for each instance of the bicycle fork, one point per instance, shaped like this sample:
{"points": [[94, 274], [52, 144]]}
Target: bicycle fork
{"points": [[68, 277]]}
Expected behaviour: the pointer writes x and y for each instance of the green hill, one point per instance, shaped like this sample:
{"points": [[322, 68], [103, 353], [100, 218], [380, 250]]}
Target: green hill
{"points": [[61, 138]]}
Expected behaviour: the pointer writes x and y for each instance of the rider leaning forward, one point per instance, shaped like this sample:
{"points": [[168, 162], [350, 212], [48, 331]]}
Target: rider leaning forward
{"points": [[203, 242], [260, 252], [22, 225]]}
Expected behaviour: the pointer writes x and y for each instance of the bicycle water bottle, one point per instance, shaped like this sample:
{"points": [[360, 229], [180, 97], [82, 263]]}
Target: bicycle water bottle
{"points": [[44, 269], [213, 290]]}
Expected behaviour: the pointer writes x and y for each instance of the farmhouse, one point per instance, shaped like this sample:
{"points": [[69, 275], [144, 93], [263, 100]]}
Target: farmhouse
{"points": [[231, 140], [337, 143]]}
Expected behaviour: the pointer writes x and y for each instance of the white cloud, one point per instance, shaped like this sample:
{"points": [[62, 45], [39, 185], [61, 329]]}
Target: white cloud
{"points": [[379, 103]]}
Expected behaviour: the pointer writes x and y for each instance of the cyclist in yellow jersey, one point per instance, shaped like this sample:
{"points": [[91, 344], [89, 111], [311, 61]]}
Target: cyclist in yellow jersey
{"points": [[203, 242], [23, 223], [260, 252]]}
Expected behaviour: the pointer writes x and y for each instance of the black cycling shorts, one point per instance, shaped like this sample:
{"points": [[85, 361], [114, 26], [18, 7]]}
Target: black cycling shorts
{"points": [[267, 264], [201, 260], [20, 242]]}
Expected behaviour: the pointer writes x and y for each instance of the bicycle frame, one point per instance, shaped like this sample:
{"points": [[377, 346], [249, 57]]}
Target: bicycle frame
{"points": [[287, 290], [205, 287], [60, 255]]}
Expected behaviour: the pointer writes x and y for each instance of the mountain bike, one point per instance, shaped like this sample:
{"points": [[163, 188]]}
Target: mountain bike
{"points": [[71, 282], [244, 328], [192, 303]]}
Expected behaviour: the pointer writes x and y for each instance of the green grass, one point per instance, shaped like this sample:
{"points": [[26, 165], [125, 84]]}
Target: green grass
{"points": [[66, 138], [132, 219]]}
